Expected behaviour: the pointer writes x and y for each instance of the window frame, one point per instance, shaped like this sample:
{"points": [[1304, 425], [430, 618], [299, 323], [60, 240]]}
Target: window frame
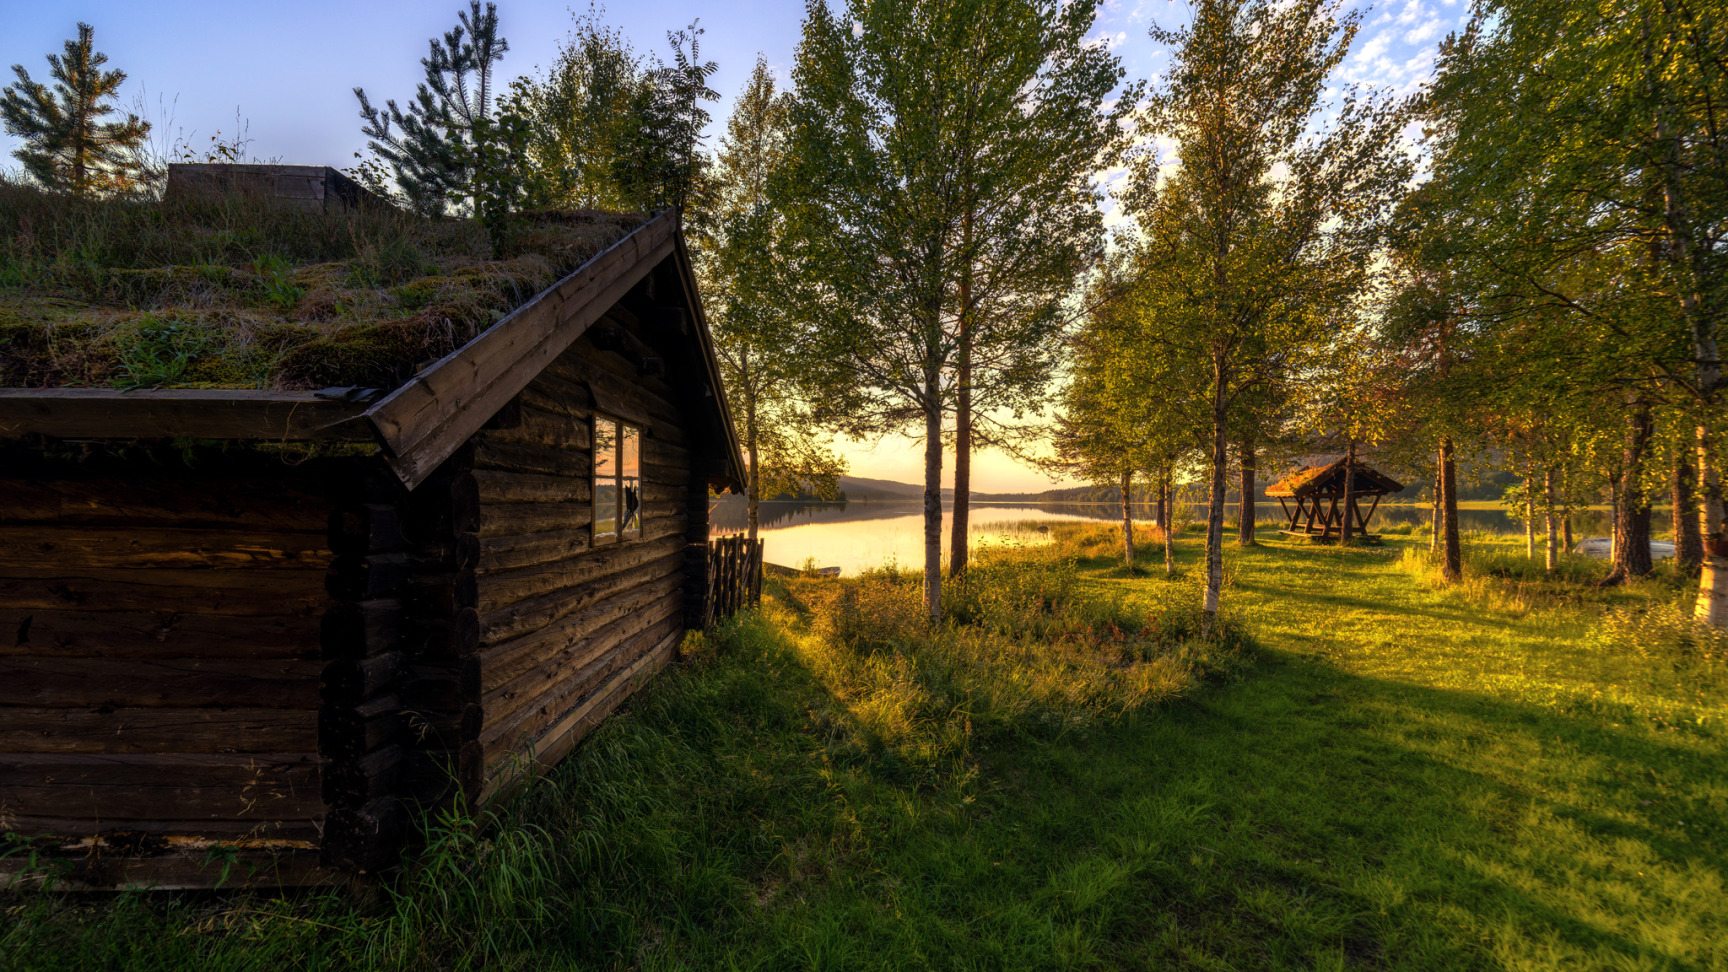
{"points": [[623, 432]]}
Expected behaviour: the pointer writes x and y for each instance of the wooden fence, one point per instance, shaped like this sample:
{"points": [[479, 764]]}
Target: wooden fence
{"points": [[734, 576]]}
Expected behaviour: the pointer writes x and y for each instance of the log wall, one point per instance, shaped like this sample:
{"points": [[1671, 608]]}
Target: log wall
{"points": [[567, 628], [160, 658]]}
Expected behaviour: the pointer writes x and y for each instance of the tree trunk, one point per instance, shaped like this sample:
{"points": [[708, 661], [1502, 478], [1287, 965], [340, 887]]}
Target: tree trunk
{"points": [[1632, 518], [1128, 518], [753, 491], [1245, 514], [1163, 494], [1553, 561], [933, 495], [958, 540], [1165, 504], [1434, 522], [1452, 559], [1713, 578], [1347, 529], [1529, 515], [1215, 502], [1688, 544]]}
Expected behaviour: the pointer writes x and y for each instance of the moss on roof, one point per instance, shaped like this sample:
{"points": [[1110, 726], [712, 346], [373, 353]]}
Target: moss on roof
{"points": [[236, 293]]}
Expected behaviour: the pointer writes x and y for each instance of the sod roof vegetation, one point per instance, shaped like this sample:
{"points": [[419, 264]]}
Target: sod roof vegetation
{"points": [[238, 292]]}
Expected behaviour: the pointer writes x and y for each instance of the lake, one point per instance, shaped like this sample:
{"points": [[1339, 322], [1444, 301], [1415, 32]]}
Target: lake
{"points": [[859, 534]]}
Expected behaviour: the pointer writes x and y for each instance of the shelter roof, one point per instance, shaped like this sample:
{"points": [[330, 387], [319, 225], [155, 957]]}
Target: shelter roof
{"points": [[1329, 478]]}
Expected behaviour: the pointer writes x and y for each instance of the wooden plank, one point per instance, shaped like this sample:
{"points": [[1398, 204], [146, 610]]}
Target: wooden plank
{"points": [[71, 546], [250, 593], [500, 591], [525, 677], [500, 486], [493, 453], [74, 633], [177, 413], [32, 730], [527, 550], [184, 787], [557, 741], [240, 502], [92, 683], [425, 420], [518, 519]]}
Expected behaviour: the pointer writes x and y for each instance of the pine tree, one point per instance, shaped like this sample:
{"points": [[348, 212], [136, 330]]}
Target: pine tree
{"points": [[67, 145], [433, 145]]}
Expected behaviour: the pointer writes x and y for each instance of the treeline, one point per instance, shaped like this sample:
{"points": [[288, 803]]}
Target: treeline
{"points": [[1538, 285]]}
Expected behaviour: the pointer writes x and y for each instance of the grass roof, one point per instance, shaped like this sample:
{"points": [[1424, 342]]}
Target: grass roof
{"points": [[239, 293]]}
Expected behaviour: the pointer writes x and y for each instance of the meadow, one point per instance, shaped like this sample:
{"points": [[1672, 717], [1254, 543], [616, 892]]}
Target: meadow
{"points": [[1360, 768]]}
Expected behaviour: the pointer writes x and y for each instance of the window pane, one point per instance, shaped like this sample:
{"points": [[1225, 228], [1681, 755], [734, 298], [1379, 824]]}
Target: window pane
{"points": [[630, 480], [605, 478]]}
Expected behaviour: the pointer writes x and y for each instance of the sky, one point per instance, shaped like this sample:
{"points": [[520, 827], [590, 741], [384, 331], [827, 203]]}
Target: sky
{"points": [[288, 71]]}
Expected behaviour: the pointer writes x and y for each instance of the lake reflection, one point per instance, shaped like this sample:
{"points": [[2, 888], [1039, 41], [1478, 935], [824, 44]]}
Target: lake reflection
{"points": [[859, 535]]}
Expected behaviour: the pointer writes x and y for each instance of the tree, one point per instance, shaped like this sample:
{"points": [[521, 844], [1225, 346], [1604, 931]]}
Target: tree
{"points": [[431, 146], [924, 201], [759, 365], [1267, 227], [1589, 136], [67, 146]]}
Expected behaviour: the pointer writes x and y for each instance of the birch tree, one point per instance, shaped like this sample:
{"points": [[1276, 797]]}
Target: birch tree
{"points": [[1266, 228]]}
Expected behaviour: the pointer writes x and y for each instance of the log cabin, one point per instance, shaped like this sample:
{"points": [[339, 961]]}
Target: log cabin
{"points": [[253, 634]]}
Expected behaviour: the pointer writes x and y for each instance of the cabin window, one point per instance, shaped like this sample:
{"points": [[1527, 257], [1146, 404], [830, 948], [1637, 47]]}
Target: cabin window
{"points": [[617, 480]]}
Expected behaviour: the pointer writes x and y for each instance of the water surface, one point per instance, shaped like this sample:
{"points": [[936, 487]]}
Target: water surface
{"points": [[858, 535]]}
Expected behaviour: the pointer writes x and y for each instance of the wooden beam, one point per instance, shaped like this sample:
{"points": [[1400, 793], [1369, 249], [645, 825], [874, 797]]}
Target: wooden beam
{"points": [[425, 420], [179, 413]]}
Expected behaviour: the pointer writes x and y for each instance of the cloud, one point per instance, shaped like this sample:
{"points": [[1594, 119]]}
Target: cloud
{"points": [[1424, 32]]}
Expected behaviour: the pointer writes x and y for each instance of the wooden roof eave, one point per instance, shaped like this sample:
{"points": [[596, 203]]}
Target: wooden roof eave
{"points": [[733, 475], [425, 420]]}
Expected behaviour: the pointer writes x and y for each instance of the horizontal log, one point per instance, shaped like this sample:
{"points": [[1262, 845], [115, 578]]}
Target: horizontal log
{"points": [[501, 486], [32, 730], [538, 588], [580, 367], [496, 454], [503, 662], [573, 653], [370, 577], [361, 629], [441, 595], [348, 732], [153, 634], [441, 507], [528, 721], [366, 528], [92, 683], [180, 787], [517, 519], [450, 636], [72, 546], [364, 839], [503, 553], [241, 593], [358, 782], [214, 500], [349, 681], [557, 741]]}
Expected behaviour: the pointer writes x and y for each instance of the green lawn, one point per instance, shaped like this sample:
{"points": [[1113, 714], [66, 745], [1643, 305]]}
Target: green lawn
{"points": [[1399, 777]]}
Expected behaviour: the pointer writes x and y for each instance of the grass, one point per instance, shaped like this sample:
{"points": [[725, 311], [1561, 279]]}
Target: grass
{"points": [[238, 293], [1369, 771]]}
